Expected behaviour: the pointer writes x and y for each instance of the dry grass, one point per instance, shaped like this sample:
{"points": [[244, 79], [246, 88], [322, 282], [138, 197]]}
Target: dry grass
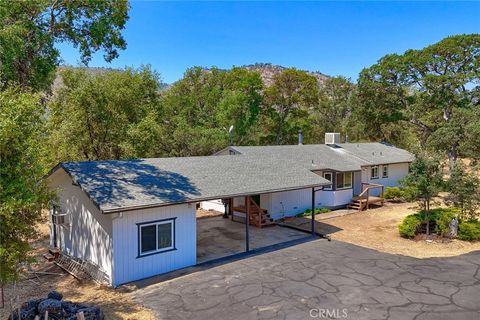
{"points": [[114, 303], [378, 229]]}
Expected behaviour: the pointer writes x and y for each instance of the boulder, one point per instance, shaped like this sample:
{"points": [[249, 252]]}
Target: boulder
{"points": [[453, 228], [93, 313], [55, 295], [54, 307]]}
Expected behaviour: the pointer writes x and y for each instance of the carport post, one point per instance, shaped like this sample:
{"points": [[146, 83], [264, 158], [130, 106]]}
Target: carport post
{"points": [[313, 211], [247, 222]]}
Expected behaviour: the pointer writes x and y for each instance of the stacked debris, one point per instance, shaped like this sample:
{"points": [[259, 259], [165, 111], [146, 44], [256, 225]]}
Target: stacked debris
{"points": [[55, 308]]}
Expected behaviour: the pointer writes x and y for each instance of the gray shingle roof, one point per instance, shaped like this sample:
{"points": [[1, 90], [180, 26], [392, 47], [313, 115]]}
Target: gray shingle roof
{"points": [[343, 157], [120, 185]]}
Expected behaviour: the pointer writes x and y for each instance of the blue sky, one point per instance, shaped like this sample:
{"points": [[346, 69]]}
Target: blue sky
{"points": [[336, 38]]}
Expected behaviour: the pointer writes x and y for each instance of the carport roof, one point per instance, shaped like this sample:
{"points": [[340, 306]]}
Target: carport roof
{"points": [[134, 184]]}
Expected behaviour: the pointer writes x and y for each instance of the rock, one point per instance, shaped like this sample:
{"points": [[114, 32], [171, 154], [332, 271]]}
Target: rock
{"points": [[69, 307], [25, 314], [453, 228], [93, 313], [54, 307], [31, 304], [55, 295]]}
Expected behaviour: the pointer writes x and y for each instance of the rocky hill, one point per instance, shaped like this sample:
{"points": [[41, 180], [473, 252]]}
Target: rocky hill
{"points": [[268, 71]]}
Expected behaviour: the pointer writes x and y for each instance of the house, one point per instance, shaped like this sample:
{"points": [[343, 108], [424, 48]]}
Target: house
{"points": [[137, 218]]}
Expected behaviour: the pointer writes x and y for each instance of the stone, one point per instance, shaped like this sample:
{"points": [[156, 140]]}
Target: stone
{"points": [[92, 313], [55, 295], [54, 307], [453, 228]]}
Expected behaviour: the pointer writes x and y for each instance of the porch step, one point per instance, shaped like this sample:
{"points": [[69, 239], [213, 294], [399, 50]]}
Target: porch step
{"points": [[49, 257]]}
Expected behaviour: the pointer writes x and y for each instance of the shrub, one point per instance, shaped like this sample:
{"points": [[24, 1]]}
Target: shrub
{"points": [[408, 227], [469, 230], [308, 212], [393, 193], [442, 218], [438, 218]]}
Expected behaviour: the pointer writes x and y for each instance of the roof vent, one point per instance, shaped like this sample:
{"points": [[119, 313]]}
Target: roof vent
{"points": [[332, 138], [300, 137]]}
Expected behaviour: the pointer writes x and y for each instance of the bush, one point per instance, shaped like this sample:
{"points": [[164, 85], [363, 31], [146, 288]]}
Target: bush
{"points": [[439, 220], [308, 212], [393, 193], [442, 218], [469, 230], [408, 227]]}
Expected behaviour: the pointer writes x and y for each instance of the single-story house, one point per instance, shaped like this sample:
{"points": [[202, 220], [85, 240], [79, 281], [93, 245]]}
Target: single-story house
{"points": [[137, 218]]}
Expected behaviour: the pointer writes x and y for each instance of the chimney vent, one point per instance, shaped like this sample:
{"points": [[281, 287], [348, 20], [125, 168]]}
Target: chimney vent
{"points": [[300, 137]]}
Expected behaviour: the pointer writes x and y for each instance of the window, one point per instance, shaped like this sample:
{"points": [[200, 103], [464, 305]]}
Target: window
{"points": [[156, 236], [374, 172], [385, 172], [327, 176], [344, 180]]}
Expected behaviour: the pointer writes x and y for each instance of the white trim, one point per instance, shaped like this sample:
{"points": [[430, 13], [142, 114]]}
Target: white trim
{"points": [[385, 166], [156, 224], [371, 172], [331, 180], [350, 186]]}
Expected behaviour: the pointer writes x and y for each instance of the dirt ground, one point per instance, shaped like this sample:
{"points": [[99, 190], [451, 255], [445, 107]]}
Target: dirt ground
{"points": [[378, 229], [114, 304], [201, 213]]}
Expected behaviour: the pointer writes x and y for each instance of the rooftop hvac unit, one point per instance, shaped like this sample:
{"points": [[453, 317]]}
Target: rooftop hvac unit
{"points": [[332, 138]]}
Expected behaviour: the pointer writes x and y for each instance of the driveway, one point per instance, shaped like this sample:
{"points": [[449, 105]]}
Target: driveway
{"points": [[323, 280]]}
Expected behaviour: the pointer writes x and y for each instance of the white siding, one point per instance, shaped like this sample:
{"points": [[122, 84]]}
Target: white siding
{"points": [[89, 234], [290, 203], [396, 172], [334, 199], [216, 205], [127, 267]]}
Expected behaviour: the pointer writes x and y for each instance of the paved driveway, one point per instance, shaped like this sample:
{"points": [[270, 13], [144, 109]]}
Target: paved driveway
{"points": [[323, 280]]}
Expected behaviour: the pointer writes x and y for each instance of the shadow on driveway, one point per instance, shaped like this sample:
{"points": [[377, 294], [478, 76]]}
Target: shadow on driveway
{"points": [[300, 281]]}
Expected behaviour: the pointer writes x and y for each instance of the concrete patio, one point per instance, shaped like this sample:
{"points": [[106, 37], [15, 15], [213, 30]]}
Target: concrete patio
{"points": [[218, 237]]}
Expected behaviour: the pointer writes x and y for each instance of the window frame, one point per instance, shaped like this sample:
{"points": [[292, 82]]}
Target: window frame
{"points": [[371, 173], [331, 180], [141, 225], [344, 187], [383, 171]]}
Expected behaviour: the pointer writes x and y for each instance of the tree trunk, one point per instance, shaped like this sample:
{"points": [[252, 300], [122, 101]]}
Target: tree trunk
{"points": [[427, 216], [452, 157]]}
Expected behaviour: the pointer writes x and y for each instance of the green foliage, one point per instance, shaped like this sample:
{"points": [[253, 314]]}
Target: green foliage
{"points": [[202, 106], [393, 193], [469, 230], [440, 218], [434, 89], [288, 102], [408, 227], [424, 180], [464, 191], [336, 100], [23, 192], [308, 212], [30, 29], [109, 115]]}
